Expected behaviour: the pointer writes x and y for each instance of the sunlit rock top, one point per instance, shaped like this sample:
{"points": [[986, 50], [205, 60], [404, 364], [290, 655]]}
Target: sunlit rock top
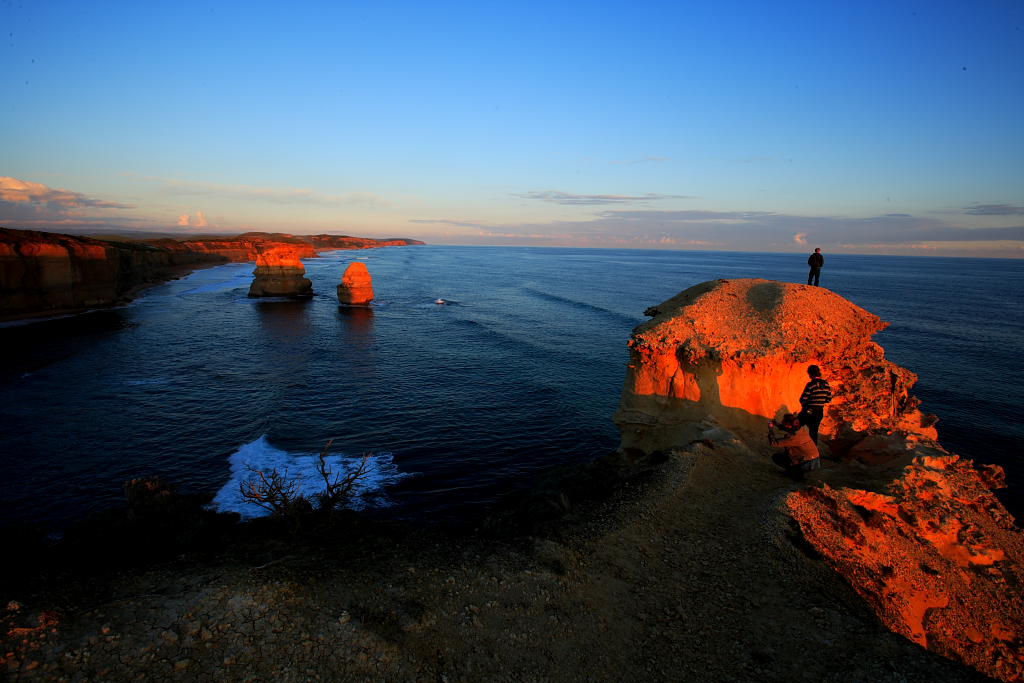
{"points": [[737, 352]]}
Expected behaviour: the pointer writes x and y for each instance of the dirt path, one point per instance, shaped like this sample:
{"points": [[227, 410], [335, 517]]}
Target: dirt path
{"points": [[692, 575]]}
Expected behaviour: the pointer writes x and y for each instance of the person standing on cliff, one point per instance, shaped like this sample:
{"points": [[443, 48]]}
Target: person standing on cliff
{"points": [[815, 261], [817, 393], [801, 454]]}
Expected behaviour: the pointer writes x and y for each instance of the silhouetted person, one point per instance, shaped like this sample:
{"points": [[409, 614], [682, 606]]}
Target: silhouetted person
{"points": [[815, 261], [817, 393], [801, 455]]}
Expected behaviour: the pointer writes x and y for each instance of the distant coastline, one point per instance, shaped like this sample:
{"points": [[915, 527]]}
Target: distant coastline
{"points": [[47, 274]]}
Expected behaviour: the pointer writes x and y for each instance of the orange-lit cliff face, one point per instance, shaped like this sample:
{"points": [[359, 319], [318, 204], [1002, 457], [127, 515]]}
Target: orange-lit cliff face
{"points": [[247, 247], [738, 351], [43, 273], [356, 288], [920, 536], [279, 272], [936, 556]]}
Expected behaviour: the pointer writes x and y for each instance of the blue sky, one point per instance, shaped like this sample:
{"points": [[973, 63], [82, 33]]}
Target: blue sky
{"points": [[867, 127]]}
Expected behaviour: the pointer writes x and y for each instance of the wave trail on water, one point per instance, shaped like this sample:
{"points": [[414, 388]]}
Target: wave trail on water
{"points": [[582, 305], [260, 455]]}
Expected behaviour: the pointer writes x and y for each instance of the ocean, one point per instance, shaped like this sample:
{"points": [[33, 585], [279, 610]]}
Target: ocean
{"points": [[456, 403]]}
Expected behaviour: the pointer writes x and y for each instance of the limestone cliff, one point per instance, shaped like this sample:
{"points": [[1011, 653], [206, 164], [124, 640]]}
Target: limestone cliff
{"points": [[48, 273], [916, 531], [356, 288], [738, 350], [348, 242], [248, 246], [279, 272]]}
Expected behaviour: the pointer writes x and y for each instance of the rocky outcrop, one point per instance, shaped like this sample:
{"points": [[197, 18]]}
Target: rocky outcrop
{"points": [[738, 351], [47, 273], [356, 288], [914, 530], [279, 272], [935, 554]]}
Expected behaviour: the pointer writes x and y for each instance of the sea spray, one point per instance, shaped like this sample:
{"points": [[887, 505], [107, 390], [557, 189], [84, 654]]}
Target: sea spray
{"points": [[261, 456]]}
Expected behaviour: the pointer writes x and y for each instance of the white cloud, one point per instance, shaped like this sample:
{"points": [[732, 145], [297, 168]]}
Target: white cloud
{"points": [[800, 238], [18, 191], [185, 220]]}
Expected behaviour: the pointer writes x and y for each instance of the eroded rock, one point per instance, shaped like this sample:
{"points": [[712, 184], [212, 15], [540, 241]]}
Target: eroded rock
{"points": [[279, 272], [936, 556], [356, 288], [738, 351]]}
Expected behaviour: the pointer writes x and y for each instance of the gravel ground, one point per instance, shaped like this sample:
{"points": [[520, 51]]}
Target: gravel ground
{"points": [[692, 573]]}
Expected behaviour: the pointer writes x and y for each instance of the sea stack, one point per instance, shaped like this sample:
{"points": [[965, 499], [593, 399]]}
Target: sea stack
{"points": [[916, 531], [356, 288], [279, 272]]}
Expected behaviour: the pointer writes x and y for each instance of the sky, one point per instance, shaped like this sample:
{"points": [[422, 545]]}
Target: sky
{"points": [[867, 127]]}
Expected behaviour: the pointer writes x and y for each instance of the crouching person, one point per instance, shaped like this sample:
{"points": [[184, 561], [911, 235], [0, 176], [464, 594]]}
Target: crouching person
{"points": [[801, 454]]}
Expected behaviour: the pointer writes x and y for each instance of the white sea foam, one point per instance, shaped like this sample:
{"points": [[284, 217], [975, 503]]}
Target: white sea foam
{"points": [[302, 468]]}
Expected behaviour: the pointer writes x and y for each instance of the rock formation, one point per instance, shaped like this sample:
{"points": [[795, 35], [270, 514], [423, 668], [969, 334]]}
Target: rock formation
{"points": [[248, 246], [45, 273], [738, 351], [916, 531], [935, 555], [356, 288], [279, 272]]}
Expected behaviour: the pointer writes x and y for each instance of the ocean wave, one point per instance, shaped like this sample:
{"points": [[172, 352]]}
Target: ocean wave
{"points": [[581, 305], [260, 455]]}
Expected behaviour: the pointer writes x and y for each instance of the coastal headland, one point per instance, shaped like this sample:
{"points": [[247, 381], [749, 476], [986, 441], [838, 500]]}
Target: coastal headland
{"points": [[48, 274], [685, 555]]}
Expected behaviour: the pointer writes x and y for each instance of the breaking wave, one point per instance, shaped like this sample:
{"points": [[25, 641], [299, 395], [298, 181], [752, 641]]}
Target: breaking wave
{"points": [[259, 455]]}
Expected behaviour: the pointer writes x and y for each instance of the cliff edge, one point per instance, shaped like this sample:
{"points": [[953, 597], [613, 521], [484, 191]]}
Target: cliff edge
{"points": [[45, 273]]}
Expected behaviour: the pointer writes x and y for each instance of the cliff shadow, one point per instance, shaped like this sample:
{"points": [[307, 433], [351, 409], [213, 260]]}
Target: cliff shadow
{"points": [[30, 346]]}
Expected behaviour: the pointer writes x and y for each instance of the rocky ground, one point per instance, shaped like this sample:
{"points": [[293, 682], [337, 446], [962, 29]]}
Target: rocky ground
{"points": [[690, 573]]}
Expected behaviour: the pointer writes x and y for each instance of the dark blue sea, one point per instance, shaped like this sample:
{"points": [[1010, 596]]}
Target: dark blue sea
{"points": [[520, 369]]}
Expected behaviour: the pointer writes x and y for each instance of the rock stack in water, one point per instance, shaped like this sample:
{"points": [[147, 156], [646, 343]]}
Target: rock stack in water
{"points": [[356, 288], [915, 530], [279, 272]]}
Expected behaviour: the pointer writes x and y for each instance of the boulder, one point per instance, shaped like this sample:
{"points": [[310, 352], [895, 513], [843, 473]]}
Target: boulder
{"points": [[356, 288], [279, 272]]}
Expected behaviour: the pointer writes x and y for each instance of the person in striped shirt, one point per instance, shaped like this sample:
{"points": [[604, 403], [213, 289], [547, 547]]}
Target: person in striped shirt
{"points": [[817, 393]]}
